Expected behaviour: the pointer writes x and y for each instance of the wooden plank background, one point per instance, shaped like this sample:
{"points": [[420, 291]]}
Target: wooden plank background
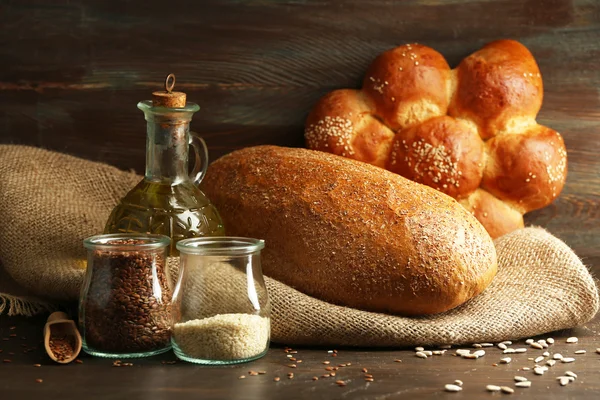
{"points": [[72, 72]]}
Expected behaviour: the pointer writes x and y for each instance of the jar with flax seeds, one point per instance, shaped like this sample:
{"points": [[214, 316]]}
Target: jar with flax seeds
{"points": [[125, 302]]}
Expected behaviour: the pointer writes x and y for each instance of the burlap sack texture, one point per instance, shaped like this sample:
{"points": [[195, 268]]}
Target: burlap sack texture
{"points": [[49, 202]]}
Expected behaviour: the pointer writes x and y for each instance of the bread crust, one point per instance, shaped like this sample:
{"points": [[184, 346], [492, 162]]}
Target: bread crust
{"points": [[351, 233]]}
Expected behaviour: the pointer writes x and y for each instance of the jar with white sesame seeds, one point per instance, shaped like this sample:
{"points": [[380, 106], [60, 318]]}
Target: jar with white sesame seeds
{"points": [[221, 308]]}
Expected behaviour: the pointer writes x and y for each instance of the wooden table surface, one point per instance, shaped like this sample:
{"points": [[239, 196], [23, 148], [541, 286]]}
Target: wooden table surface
{"points": [[73, 71], [413, 378]]}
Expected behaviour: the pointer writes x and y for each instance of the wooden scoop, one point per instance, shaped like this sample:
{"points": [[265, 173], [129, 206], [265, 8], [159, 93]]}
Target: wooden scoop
{"points": [[61, 338]]}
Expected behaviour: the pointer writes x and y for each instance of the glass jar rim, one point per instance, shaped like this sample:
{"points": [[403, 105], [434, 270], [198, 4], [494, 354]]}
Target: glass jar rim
{"points": [[220, 245], [150, 241]]}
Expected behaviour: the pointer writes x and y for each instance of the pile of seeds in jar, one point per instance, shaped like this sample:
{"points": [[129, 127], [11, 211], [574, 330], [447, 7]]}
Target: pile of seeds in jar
{"points": [[128, 304]]}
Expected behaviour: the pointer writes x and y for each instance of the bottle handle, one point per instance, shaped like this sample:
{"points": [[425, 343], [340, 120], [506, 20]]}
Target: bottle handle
{"points": [[201, 161]]}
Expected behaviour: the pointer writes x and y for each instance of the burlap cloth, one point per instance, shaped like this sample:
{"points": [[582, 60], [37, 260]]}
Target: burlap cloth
{"points": [[49, 202]]}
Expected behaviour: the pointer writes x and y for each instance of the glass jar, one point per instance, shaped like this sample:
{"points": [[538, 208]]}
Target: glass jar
{"points": [[221, 309], [168, 201], [125, 302]]}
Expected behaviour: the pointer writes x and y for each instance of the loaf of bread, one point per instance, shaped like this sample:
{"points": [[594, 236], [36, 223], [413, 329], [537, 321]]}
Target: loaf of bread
{"points": [[350, 233], [469, 132]]}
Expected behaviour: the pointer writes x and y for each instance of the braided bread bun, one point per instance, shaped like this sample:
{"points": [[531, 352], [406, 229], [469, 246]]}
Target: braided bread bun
{"points": [[469, 132]]}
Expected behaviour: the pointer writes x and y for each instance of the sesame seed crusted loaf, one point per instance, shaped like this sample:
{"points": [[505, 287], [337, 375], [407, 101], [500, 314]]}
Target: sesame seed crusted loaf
{"points": [[350, 233], [469, 132]]}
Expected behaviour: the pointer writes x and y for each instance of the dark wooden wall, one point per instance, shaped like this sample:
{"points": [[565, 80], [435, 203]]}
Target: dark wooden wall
{"points": [[71, 72]]}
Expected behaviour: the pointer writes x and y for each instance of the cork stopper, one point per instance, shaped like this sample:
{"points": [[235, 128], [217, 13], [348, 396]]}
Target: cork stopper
{"points": [[168, 98]]}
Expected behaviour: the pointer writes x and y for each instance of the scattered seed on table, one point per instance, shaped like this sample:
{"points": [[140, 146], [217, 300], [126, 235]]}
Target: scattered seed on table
{"points": [[7, 360], [340, 383], [328, 368], [242, 377], [551, 363], [39, 380], [571, 374], [477, 345], [538, 371], [550, 340], [369, 379], [368, 376], [458, 382], [521, 350], [37, 365], [438, 352], [462, 352], [507, 389], [12, 328], [501, 346], [290, 376], [564, 380], [598, 350], [292, 365], [529, 341], [567, 360], [536, 345], [292, 359], [526, 369], [543, 343], [452, 388], [509, 351], [538, 359], [78, 361], [332, 374], [326, 362], [348, 364], [315, 378], [262, 372], [289, 355], [520, 379], [365, 370], [276, 379], [325, 376], [557, 356], [479, 353], [524, 384], [428, 353], [420, 354], [12, 335], [580, 352], [546, 354], [487, 345], [572, 339], [253, 373], [507, 342], [398, 361], [505, 360], [419, 348], [492, 388], [445, 346], [471, 356]]}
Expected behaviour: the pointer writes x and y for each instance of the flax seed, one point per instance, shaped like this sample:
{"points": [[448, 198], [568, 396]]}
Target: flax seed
{"points": [[292, 365], [340, 383], [242, 377], [369, 379], [325, 376], [326, 362], [365, 370], [315, 378], [37, 365], [276, 379], [501, 346], [39, 380], [7, 360]]}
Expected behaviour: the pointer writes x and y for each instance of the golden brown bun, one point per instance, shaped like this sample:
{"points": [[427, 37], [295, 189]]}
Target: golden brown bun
{"points": [[351, 233], [463, 132]]}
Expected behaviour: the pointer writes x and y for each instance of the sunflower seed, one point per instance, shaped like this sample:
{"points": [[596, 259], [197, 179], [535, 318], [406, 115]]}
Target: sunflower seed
{"points": [[507, 389], [501, 346], [505, 360], [550, 340], [567, 360], [536, 345], [539, 359], [572, 339], [420, 354], [520, 379], [529, 341], [452, 388], [419, 348], [458, 382], [580, 352], [492, 388], [524, 384], [564, 380], [571, 374]]}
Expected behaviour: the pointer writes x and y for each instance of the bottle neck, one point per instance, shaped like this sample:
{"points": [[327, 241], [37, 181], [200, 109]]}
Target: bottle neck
{"points": [[167, 152]]}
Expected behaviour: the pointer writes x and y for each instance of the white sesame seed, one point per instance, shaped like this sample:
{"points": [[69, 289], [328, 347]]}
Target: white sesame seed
{"points": [[502, 346], [564, 380], [529, 341], [567, 360], [572, 339], [524, 384], [509, 351], [526, 369], [543, 343], [419, 349], [458, 382], [571, 374], [551, 363], [538, 371], [507, 342], [471, 356], [479, 353], [505, 360], [486, 344], [507, 389], [520, 379], [580, 352], [538, 359], [537, 346], [445, 346], [521, 350], [477, 346], [598, 350], [420, 354], [452, 388], [546, 354], [428, 353], [462, 352], [557, 356], [492, 388]]}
